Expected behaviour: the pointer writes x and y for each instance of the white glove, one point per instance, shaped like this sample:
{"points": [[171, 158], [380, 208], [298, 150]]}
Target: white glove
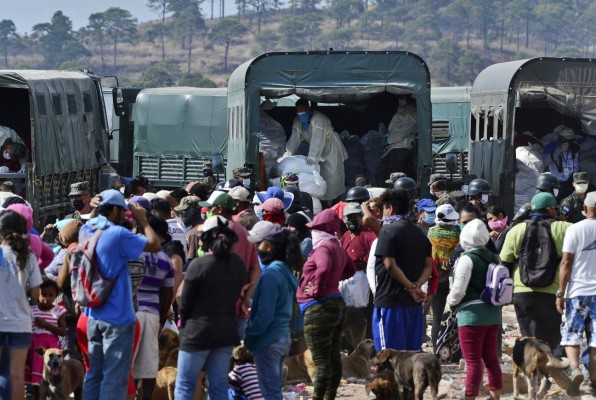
{"points": [[4, 169], [310, 161]]}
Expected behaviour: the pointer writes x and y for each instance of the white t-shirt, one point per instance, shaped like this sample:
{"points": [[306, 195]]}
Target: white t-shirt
{"points": [[15, 312], [580, 240], [178, 231]]}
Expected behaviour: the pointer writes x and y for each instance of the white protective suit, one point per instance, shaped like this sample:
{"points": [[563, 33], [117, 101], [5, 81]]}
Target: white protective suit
{"points": [[272, 140], [326, 149], [402, 128]]}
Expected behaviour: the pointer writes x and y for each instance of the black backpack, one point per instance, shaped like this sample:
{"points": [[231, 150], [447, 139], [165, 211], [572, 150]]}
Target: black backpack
{"points": [[538, 259]]}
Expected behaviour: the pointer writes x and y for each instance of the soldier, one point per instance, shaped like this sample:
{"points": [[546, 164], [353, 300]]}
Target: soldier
{"points": [[572, 206], [393, 177], [438, 189], [80, 198]]}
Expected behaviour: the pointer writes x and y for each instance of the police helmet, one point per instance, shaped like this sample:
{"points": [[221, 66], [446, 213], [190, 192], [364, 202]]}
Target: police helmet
{"points": [[357, 194], [547, 182], [479, 186], [407, 184]]}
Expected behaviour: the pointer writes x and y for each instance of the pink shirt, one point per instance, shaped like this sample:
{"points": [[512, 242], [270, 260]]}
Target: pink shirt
{"points": [[245, 249]]}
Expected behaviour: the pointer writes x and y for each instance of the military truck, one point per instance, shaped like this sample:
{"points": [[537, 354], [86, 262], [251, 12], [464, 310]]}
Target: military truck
{"points": [[60, 117], [356, 90], [177, 130]]}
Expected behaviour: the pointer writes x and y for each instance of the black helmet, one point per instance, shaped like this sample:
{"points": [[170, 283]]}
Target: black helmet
{"points": [[479, 186], [547, 182], [357, 194], [407, 184]]}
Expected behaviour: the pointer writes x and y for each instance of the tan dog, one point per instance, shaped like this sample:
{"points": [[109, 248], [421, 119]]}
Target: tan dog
{"points": [[168, 340], [413, 372], [60, 377], [357, 363], [165, 382], [383, 386], [297, 370], [534, 359]]}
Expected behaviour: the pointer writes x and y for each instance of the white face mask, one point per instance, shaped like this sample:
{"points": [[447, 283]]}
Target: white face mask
{"points": [[555, 192], [581, 188], [6, 155], [484, 198], [246, 183]]}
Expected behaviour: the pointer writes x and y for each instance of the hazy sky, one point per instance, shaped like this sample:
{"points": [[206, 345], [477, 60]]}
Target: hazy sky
{"points": [[26, 13]]}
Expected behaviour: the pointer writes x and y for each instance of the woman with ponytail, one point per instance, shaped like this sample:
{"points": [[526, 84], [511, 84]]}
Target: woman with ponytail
{"points": [[268, 330], [19, 273], [207, 307]]}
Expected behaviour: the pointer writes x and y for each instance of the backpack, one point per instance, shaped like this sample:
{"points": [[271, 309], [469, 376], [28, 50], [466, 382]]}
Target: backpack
{"points": [[498, 290], [88, 287], [538, 259]]}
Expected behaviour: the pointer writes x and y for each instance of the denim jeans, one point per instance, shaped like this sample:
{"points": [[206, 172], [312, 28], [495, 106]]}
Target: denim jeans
{"points": [[190, 364], [270, 364], [110, 360], [5, 370]]}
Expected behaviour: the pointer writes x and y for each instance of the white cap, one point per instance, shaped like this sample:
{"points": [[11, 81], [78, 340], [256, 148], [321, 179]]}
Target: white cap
{"points": [[214, 222], [239, 193], [447, 212]]}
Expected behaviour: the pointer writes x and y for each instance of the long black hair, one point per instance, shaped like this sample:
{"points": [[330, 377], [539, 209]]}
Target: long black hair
{"points": [[13, 229], [286, 247], [219, 240]]}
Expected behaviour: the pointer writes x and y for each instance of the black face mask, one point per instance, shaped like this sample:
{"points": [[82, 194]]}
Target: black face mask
{"points": [[267, 258], [77, 204], [353, 225], [191, 217]]}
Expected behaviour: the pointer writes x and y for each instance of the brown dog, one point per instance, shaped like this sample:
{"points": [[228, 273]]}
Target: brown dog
{"points": [[168, 340], [534, 359], [297, 369], [413, 371], [166, 378], [354, 330], [357, 363], [383, 386], [60, 377]]}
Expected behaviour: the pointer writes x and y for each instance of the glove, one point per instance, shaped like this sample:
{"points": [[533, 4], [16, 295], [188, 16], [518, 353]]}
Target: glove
{"points": [[310, 161]]}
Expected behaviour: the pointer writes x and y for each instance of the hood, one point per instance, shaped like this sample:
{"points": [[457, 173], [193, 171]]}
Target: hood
{"points": [[287, 273], [25, 211], [474, 235]]}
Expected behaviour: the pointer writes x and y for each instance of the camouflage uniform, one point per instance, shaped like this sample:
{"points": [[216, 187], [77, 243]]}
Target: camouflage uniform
{"points": [[571, 208]]}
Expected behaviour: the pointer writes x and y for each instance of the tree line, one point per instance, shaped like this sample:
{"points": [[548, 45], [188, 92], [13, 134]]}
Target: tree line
{"points": [[456, 37]]}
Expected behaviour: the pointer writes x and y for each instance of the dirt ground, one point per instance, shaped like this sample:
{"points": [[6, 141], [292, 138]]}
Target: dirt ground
{"points": [[452, 382]]}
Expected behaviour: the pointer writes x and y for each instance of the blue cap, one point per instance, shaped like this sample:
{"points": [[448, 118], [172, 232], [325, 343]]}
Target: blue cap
{"points": [[125, 181], [275, 192], [112, 197], [140, 200], [426, 205]]}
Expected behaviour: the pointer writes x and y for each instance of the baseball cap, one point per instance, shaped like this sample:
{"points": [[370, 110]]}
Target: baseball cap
{"points": [[215, 221], [264, 230], [79, 188], [112, 197], [326, 221], [188, 202], [239, 193], [219, 198], [395, 176], [426, 205], [274, 191], [543, 200], [581, 178], [142, 201], [352, 208], [434, 178], [590, 200], [448, 212], [232, 183], [273, 205]]}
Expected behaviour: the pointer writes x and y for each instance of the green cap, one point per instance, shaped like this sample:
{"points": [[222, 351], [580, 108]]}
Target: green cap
{"points": [[79, 188], [543, 200], [581, 178], [221, 199], [188, 202]]}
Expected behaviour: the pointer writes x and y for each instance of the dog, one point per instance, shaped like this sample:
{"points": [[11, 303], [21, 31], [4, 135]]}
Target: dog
{"points": [[534, 359], [165, 381], [297, 369], [168, 340], [60, 377], [383, 386], [413, 372], [357, 363]]}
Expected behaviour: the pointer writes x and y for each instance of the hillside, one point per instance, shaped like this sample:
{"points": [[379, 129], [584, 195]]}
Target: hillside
{"points": [[457, 38]]}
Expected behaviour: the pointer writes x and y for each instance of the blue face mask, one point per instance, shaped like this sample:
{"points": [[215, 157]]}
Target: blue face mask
{"points": [[430, 219], [259, 213], [304, 118]]}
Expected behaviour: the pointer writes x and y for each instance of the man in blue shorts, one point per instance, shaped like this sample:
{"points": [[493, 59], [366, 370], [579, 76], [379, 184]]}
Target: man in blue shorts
{"points": [[402, 266], [576, 297]]}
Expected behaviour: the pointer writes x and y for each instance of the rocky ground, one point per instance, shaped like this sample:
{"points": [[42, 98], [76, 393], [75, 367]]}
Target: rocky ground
{"points": [[452, 383]]}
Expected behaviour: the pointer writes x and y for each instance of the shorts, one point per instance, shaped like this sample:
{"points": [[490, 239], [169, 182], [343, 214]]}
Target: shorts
{"points": [[146, 358], [16, 340], [580, 315], [399, 328]]}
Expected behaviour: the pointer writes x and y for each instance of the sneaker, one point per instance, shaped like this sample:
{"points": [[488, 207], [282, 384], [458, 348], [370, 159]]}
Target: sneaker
{"points": [[577, 378]]}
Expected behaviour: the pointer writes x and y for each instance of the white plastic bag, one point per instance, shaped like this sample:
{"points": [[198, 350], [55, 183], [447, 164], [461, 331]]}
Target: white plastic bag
{"points": [[171, 326], [355, 290]]}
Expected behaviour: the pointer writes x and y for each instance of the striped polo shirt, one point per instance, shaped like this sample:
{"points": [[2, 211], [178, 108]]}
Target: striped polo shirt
{"points": [[159, 273]]}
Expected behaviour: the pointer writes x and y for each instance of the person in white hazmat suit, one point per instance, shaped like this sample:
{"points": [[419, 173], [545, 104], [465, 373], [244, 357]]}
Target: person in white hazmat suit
{"points": [[272, 139], [326, 148]]}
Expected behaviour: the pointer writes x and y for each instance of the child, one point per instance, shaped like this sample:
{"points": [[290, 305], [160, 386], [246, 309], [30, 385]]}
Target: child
{"points": [[49, 322], [243, 377]]}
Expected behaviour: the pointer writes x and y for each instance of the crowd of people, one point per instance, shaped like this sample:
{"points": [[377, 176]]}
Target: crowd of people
{"points": [[255, 276]]}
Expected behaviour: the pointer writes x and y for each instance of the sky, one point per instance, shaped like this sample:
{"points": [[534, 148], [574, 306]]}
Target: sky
{"points": [[26, 13]]}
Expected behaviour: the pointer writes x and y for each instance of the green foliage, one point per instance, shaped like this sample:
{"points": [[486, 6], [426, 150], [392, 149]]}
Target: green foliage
{"points": [[227, 31], [188, 24], [444, 60], [120, 27], [57, 41], [299, 32], [195, 80], [162, 9], [567, 51], [268, 40], [8, 35], [160, 74]]}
